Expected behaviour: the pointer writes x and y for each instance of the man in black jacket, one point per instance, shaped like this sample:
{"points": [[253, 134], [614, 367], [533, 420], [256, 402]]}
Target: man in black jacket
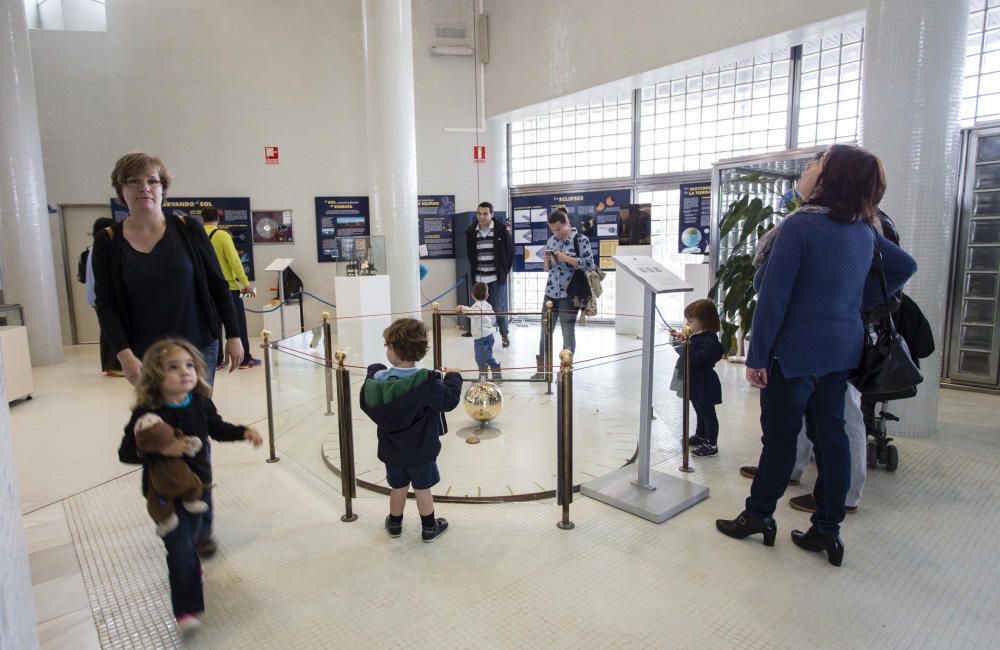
{"points": [[491, 255]]}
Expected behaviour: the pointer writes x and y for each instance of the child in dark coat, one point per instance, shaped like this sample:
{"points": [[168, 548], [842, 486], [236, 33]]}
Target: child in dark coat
{"points": [[408, 405], [703, 326], [172, 386]]}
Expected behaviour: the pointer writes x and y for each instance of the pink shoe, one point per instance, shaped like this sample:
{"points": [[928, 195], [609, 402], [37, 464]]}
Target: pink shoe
{"points": [[188, 623]]}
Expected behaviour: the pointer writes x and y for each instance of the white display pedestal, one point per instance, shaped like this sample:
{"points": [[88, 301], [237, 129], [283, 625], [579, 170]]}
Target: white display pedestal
{"points": [[629, 293], [16, 362], [362, 337], [699, 277]]}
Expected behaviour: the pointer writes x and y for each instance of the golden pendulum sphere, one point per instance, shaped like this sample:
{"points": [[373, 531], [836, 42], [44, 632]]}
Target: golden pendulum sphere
{"points": [[483, 401]]}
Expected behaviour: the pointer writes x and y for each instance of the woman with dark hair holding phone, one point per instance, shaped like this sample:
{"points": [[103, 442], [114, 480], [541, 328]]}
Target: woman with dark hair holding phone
{"points": [[807, 336]]}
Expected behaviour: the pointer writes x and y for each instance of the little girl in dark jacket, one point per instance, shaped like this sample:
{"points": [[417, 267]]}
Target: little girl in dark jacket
{"points": [[706, 391], [172, 386]]}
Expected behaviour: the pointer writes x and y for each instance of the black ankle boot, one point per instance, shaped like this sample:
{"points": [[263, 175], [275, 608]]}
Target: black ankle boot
{"points": [[813, 540], [746, 525]]}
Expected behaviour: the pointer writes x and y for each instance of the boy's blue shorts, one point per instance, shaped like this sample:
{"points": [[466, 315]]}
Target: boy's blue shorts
{"points": [[421, 477]]}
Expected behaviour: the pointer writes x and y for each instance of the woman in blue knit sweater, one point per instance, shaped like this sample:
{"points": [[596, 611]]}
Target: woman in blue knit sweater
{"points": [[807, 336]]}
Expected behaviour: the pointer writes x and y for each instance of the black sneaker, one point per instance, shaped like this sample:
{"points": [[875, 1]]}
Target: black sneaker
{"points": [[430, 534], [206, 547], [696, 441], [706, 450], [394, 530]]}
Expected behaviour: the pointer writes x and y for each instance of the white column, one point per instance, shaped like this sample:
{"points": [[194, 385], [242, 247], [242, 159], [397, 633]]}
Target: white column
{"points": [[914, 53], [392, 145], [16, 599], [26, 265]]}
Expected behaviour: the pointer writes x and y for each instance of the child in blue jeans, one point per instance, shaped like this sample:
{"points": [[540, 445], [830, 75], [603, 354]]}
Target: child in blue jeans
{"points": [[483, 325], [702, 318], [408, 405]]}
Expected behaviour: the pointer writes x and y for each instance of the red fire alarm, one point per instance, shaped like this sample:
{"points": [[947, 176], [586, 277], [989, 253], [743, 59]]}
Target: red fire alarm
{"points": [[479, 153], [271, 155]]}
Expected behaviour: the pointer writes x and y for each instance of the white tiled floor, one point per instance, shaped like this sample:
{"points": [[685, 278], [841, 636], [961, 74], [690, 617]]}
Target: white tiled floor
{"points": [[921, 567]]}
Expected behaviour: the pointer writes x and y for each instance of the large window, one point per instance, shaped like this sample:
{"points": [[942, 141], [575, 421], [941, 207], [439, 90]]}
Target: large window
{"points": [[830, 90], [981, 87], [738, 109], [585, 143]]}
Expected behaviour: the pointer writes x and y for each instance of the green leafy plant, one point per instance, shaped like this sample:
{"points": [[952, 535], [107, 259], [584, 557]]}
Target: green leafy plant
{"points": [[733, 289]]}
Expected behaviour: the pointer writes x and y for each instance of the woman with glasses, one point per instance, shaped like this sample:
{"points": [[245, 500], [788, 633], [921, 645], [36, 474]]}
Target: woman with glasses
{"points": [[157, 276]]}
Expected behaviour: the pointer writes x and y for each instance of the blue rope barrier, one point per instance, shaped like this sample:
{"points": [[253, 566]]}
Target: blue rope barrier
{"points": [[319, 299], [265, 311], [453, 287]]}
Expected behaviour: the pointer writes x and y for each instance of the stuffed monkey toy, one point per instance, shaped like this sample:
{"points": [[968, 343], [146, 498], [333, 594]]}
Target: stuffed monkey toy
{"points": [[169, 478]]}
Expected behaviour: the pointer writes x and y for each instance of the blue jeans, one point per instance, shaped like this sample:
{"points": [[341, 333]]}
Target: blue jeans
{"points": [[565, 312], [183, 566], [484, 353], [208, 353], [498, 301], [783, 404]]}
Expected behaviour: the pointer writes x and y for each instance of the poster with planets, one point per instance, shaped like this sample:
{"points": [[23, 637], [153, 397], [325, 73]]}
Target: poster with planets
{"points": [[695, 218]]}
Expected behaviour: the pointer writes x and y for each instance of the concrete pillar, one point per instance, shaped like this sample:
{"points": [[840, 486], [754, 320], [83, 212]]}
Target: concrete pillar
{"points": [[392, 145], [26, 265], [16, 599], [913, 60]]}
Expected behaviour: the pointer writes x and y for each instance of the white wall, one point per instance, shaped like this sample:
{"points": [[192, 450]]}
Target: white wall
{"points": [[544, 49], [207, 85]]}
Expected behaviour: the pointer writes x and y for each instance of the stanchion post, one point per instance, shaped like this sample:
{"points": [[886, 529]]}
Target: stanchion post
{"points": [[347, 483], [547, 352], [685, 434], [436, 334], [272, 458], [564, 426], [328, 361]]}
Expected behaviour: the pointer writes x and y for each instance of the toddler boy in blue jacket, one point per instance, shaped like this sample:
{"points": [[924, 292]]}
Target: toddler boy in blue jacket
{"points": [[408, 405]]}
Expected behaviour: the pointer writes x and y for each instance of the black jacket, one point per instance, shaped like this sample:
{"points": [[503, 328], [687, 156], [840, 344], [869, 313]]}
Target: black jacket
{"points": [[409, 413], [200, 419], [212, 290], [503, 249], [706, 351]]}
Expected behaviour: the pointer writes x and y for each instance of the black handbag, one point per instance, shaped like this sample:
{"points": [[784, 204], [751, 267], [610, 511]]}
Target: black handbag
{"points": [[579, 286], [886, 368]]}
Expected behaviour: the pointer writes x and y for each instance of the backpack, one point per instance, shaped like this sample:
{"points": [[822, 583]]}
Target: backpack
{"points": [[81, 266]]}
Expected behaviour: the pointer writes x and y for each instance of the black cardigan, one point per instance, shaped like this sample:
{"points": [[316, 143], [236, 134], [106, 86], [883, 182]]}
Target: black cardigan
{"points": [[214, 300]]}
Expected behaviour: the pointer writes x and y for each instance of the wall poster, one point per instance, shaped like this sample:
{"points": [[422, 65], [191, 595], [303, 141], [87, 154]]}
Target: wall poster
{"points": [[339, 216], [695, 217], [436, 215], [272, 227], [594, 214]]}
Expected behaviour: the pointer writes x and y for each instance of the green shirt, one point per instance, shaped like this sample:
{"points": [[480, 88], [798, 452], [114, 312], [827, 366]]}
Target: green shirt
{"points": [[229, 259]]}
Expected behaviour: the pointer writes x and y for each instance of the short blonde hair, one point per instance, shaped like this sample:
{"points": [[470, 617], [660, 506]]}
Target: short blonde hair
{"points": [[147, 390], [133, 164]]}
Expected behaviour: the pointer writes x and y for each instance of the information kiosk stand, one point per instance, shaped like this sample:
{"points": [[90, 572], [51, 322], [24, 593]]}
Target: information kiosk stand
{"points": [[636, 489]]}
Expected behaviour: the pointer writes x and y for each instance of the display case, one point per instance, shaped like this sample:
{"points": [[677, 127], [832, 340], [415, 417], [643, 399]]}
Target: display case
{"points": [[11, 315], [361, 256], [769, 177]]}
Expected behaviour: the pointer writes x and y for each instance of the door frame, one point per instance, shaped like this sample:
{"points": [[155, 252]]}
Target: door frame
{"points": [[67, 270]]}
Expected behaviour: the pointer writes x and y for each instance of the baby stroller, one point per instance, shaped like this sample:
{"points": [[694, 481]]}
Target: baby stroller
{"points": [[881, 451]]}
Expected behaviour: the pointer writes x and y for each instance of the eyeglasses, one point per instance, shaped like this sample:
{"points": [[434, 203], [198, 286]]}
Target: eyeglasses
{"points": [[139, 182]]}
